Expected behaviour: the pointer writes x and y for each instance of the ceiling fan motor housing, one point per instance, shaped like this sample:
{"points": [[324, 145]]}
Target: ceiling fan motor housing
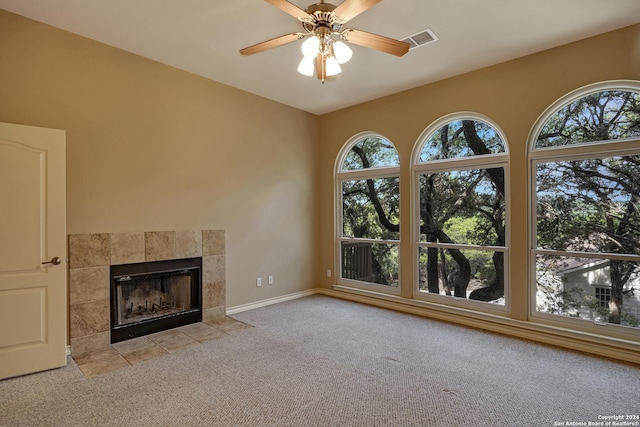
{"points": [[320, 7], [324, 22]]}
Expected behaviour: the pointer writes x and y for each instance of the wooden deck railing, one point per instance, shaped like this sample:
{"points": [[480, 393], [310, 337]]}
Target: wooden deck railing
{"points": [[357, 261]]}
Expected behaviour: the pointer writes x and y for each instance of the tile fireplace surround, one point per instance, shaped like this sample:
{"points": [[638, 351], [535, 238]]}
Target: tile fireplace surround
{"points": [[91, 255]]}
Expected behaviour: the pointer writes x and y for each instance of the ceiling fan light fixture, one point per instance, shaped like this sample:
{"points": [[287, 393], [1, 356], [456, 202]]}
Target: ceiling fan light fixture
{"points": [[310, 47], [342, 52], [306, 66], [332, 66]]}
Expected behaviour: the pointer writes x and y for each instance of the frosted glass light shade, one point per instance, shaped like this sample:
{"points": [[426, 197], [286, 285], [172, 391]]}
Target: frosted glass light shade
{"points": [[306, 66], [342, 52], [332, 66], [310, 46]]}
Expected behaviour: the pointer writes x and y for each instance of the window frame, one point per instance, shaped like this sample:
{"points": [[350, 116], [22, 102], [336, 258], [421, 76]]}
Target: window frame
{"points": [[579, 151], [340, 177], [486, 161]]}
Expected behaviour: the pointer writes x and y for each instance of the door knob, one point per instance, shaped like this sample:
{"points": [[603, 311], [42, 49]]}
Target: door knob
{"points": [[55, 261]]}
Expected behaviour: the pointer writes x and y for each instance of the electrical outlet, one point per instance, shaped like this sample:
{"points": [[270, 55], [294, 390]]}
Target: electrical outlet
{"points": [[328, 273], [259, 281], [271, 280]]}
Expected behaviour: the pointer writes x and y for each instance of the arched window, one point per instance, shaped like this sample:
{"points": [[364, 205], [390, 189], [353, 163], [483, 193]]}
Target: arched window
{"points": [[585, 188], [460, 184], [368, 193]]}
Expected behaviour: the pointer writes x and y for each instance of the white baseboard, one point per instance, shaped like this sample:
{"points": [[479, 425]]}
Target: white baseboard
{"points": [[270, 301]]}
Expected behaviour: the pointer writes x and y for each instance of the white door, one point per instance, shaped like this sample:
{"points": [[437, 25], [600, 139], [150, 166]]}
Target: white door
{"points": [[33, 255]]}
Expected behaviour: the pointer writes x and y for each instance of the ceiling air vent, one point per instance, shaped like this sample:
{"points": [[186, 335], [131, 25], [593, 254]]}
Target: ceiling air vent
{"points": [[420, 39]]}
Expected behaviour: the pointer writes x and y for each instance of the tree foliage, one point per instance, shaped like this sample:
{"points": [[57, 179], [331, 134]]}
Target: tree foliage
{"points": [[601, 116]]}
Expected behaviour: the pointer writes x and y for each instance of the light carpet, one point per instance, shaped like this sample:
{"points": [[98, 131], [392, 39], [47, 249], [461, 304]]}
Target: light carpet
{"points": [[320, 361]]}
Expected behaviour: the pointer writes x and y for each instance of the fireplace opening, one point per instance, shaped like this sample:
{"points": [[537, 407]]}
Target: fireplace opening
{"points": [[154, 296]]}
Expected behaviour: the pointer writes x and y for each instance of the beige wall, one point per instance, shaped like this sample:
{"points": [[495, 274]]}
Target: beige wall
{"points": [[154, 148], [150, 147], [512, 94]]}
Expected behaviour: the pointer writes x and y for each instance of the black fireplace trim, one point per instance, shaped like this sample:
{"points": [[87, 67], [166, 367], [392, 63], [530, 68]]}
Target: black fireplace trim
{"points": [[146, 327]]}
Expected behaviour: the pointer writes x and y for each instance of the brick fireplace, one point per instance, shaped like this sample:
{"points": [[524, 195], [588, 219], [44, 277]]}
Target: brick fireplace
{"points": [[92, 255]]}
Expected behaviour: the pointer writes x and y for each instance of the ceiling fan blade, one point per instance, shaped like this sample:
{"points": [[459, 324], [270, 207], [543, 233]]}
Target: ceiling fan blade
{"points": [[291, 9], [349, 9], [374, 41], [269, 44]]}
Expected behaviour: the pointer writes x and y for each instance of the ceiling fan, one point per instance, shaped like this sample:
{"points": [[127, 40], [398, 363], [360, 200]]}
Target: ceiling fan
{"points": [[324, 50]]}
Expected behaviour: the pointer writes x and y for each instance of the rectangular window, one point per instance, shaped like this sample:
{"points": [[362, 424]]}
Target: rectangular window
{"points": [[603, 295]]}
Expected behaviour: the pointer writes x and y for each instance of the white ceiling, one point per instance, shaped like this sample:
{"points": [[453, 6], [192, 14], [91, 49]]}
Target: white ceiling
{"points": [[204, 37]]}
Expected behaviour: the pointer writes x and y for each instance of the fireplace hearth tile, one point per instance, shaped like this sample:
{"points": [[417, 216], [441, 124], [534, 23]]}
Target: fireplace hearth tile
{"points": [[89, 318], [95, 356], [213, 294], [160, 245], [103, 366], [188, 244], [127, 248], [90, 343], [202, 332], [213, 269], [144, 354], [172, 340], [89, 250], [110, 358], [88, 284], [134, 344], [213, 314], [231, 326], [213, 242]]}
